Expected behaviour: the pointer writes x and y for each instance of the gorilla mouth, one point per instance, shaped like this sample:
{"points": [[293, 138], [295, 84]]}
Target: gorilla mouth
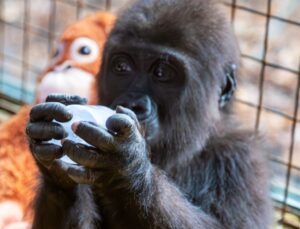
{"points": [[150, 126], [148, 118], [147, 122]]}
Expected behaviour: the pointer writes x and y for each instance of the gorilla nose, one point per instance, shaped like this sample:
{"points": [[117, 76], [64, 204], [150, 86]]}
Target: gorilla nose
{"points": [[141, 107]]}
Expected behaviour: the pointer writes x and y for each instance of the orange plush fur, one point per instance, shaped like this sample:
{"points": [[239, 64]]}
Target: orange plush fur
{"points": [[18, 172]]}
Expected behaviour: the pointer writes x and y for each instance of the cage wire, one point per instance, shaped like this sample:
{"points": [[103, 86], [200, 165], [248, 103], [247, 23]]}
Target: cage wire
{"points": [[25, 48]]}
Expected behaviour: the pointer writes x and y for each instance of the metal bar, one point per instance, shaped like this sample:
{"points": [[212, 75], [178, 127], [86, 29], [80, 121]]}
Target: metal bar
{"points": [[79, 6], [30, 66], [289, 225], [10, 99], [262, 72], [51, 26], [2, 43], [233, 10], [291, 210], [269, 64], [6, 108], [86, 4], [291, 151], [292, 22], [25, 46], [108, 5], [269, 109], [284, 163], [33, 29]]}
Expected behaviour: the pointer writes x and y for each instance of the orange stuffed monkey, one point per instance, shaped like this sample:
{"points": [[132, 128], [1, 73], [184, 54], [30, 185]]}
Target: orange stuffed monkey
{"points": [[72, 70]]}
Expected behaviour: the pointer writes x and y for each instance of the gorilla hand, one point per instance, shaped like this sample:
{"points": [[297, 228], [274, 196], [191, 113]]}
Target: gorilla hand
{"points": [[118, 156], [41, 129]]}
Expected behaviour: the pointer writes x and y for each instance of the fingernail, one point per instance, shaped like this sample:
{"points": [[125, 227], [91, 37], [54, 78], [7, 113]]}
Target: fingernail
{"points": [[119, 108], [75, 126], [69, 114]]}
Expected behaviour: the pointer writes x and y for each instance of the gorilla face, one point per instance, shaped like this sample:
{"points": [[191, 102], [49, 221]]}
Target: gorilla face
{"points": [[174, 76], [149, 81]]}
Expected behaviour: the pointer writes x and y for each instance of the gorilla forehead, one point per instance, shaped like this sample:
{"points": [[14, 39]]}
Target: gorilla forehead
{"points": [[192, 27], [147, 51], [198, 31]]}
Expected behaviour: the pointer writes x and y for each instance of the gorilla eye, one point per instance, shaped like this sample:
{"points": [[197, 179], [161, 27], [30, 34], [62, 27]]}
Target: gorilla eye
{"points": [[121, 65], [163, 73], [85, 50], [159, 73]]}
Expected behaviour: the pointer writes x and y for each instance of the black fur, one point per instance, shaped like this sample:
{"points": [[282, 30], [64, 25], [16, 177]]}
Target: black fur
{"points": [[186, 164], [203, 156]]}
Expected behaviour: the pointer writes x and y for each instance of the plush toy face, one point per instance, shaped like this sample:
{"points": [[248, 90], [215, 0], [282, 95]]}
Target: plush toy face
{"points": [[73, 70], [77, 59], [67, 74]]}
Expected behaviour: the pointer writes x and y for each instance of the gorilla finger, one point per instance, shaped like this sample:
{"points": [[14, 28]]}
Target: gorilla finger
{"points": [[60, 165], [59, 169], [94, 135], [50, 111], [83, 175], [121, 124], [45, 131], [82, 154], [130, 113], [46, 153], [66, 99]]}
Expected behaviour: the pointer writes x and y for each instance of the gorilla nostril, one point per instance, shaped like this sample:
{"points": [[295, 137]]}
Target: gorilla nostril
{"points": [[141, 106], [142, 112], [139, 110]]}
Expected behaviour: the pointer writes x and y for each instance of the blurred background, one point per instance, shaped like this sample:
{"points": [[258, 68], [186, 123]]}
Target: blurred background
{"points": [[269, 81]]}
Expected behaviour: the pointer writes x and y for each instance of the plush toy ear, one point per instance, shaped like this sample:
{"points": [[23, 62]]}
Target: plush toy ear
{"points": [[105, 20], [230, 85]]}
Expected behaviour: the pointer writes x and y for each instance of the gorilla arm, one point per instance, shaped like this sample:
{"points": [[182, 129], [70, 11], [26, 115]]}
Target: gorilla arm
{"points": [[123, 175], [131, 192], [127, 183]]}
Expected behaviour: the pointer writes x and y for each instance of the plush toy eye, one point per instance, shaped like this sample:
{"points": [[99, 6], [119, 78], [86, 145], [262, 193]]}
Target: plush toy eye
{"points": [[84, 50]]}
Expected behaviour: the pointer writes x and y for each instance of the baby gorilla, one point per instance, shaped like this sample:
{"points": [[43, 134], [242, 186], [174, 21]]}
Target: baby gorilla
{"points": [[174, 157]]}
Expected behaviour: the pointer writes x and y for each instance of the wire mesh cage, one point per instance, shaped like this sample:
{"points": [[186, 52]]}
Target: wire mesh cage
{"points": [[275, 98], [267, 100]]}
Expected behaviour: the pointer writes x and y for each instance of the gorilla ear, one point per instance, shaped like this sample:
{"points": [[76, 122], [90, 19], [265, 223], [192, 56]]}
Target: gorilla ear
{"points": [[230, 85]]}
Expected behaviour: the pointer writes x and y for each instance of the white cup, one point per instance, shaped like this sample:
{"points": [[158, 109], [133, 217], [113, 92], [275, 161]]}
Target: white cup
{"points": [[95, 114]]}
